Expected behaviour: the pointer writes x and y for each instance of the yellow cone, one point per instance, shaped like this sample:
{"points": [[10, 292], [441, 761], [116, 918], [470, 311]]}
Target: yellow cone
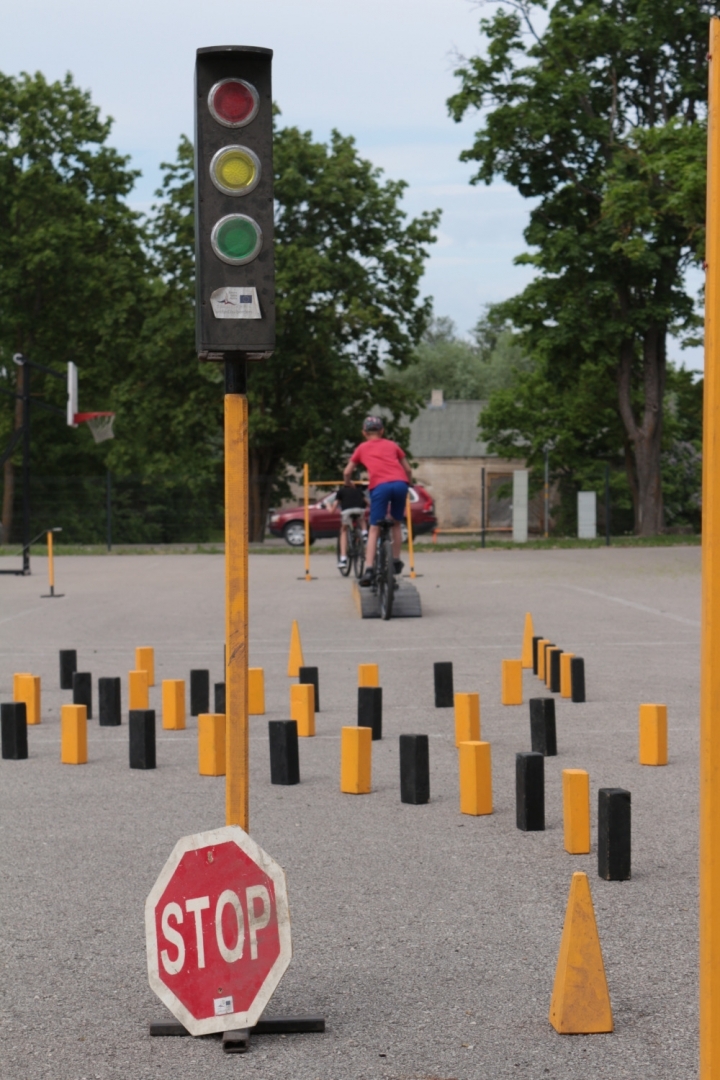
{"points": [[295, 659], [580, 1002], [527, 642]]}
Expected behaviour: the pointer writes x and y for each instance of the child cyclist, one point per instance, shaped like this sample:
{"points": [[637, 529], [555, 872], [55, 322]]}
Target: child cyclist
{"points": [[350, 501], [389, 475]]}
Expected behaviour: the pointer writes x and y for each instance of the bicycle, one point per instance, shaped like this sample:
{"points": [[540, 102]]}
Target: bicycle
{"points": [[385, 585], [355, 547]]}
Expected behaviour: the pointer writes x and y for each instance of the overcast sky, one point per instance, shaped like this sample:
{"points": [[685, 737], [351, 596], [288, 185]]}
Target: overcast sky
{"points": [[380, 70]]}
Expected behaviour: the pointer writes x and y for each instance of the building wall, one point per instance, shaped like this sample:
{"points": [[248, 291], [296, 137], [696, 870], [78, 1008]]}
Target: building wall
{"points": [[455, 483]]}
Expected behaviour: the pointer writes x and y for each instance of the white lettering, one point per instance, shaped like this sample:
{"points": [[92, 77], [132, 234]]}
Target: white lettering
{"points": [[175, 938], [257, 922], [231, 898], [197, 905]]}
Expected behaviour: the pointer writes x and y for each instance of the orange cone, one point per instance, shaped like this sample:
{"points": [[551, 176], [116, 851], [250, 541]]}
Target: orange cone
{"points": [[295, 659], [580, 1002]]}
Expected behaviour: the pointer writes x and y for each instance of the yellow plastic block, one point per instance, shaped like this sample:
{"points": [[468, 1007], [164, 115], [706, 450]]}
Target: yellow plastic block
{"points": [[576, 811], [73, 735], [355, 760], [173, 704], [580, 1002], [302, 708], [566, 675], [295, 659], [256, 691], [528, 634], [467, 718], [475, 763], [541, 657], [653, 735], [145, 661], [211, 744], [138, 693], [368, 675], [27, 688], [512, 687]]}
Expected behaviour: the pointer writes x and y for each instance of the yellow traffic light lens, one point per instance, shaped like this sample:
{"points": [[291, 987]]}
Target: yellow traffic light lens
{"points": [[235, 170]]}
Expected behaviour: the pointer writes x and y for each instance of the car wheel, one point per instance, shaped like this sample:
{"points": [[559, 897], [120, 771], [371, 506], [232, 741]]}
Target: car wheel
{"points": [[294, 533]]}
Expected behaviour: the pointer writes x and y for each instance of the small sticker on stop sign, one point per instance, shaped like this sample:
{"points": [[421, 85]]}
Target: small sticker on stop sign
{"points": [[218, 931]]}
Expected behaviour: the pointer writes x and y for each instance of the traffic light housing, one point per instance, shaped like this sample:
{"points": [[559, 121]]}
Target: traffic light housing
{"points": [[234, 264]]}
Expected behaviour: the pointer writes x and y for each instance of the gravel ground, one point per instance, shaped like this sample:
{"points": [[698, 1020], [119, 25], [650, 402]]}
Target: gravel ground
{"points": [[427, 939]]}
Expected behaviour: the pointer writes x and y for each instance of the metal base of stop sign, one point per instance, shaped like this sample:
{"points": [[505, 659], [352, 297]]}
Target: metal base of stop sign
{"points": [[217, 928]]}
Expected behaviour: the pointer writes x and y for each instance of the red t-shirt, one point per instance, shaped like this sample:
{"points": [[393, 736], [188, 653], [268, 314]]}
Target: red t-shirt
{"points": [[381, 458]]}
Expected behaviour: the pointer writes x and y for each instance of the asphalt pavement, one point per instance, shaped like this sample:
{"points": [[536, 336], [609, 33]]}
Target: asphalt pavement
{"points": [[426, 938]]}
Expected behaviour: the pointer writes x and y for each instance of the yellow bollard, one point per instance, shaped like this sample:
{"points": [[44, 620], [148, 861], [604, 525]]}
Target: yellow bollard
{"points": [[27, 688], [475, 762], [302, 708], [580, 1002], [512, 687], [145, 661], [355, 760], [576, 811], [211, 744], [653, 735], [256, 691], [73, 735], [138, 693], [467, 718], [541, 657], [566, 675], [368, 675], [173, 704], [295, 659], [528, 634]]}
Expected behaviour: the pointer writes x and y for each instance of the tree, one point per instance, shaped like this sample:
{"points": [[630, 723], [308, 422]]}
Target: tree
{"points": [[72, 266], [600, 119]]}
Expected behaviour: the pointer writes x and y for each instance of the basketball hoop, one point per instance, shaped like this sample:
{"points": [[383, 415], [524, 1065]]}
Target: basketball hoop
{"points": [[100, 424]]}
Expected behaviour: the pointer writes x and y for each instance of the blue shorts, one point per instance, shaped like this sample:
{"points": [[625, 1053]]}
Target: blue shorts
{"points": [[394, 493]]}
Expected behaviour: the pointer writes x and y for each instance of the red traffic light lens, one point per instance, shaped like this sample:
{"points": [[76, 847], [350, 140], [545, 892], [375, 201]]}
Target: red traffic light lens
{"points": [[233, 102]]}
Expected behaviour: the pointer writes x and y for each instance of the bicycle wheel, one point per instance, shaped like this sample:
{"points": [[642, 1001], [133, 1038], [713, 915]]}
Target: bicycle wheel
{"points": [[344, 570], [386, 582], [358, 552]]}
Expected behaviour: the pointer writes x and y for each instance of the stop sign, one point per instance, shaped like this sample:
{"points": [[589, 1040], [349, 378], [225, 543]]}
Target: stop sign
{"points": [[217, 927]]}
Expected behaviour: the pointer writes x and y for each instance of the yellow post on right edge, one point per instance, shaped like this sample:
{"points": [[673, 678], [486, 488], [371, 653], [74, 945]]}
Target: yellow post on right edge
{"points": [[512, 687], [211, 744], [138, 694], [355, 760], [467, 718], [576, 811], [566, 675], [173, 704], [527, 650], [368, 675], [653, 735], [475, 763], [27, 688], [145, 661], [256, 691], [302, 708], [73, 735]]}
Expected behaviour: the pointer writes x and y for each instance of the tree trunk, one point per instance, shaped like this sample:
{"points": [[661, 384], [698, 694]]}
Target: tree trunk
{"points": [[644, 473], [262, 473], [8, 467]]}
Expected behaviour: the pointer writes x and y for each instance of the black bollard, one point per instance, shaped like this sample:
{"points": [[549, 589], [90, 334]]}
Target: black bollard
{"points": [[577, 678], [414, 769], [535, 653], [444, 696], [142, 738], [370, 709], [109, 702], [614, 834], [554, 657], [543, 739], [82, 690], [199, 691], [13, 724], [310, 675], [284, 757], [68, 667], [530, 791], [220, 697]]}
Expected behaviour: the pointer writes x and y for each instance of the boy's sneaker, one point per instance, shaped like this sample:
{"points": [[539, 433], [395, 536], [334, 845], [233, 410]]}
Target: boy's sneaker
{"points": [[342, 562], [368, 577], [398, 565]]}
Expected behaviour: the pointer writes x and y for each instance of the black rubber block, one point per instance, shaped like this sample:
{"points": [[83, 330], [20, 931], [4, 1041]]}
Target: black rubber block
{"points": [[220, 697], [370, 709], [535, 653], [199, 691], [444, 694], [555, 671], [577, 678], [82, 690], [614, 821], [414, 769], [543, 739], [68, 667], [13, 724], [284, 755], [142, 738], [109, 702], [530, 791], [310, 675]]}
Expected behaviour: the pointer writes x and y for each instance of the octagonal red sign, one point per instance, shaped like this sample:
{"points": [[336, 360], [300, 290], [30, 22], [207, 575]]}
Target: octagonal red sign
{"points": [[217, 927]]}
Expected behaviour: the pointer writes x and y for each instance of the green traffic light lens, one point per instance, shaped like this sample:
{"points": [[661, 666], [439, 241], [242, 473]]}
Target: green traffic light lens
{"points": [[236, 239], [235, 170]]}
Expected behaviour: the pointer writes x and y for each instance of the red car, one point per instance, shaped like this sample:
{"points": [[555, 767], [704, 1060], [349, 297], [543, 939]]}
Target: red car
{"points": [[290, 523]]}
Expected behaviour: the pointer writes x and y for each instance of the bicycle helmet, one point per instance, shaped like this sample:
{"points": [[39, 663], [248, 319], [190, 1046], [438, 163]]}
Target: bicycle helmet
{"points": [[373, 423]]}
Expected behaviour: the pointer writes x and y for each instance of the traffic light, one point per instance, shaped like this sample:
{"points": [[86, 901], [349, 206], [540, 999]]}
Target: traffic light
{"points": [[234, 265]]}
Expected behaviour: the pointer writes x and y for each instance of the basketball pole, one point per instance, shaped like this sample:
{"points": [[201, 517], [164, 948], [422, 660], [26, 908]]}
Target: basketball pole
{"points": [[710, 633], [237, 786]]}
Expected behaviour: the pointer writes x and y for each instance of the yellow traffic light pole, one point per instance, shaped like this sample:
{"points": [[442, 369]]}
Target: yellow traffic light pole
{"points": [[710, 645]]}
